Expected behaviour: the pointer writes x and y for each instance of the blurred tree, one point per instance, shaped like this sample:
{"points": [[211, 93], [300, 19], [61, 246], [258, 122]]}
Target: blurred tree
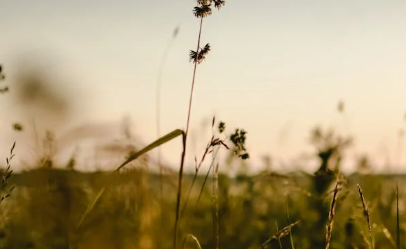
{"points": [[364, 164], [329, 149]]}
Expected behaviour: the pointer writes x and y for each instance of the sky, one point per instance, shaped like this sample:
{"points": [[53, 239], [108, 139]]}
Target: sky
{"points": [[276, 69]]}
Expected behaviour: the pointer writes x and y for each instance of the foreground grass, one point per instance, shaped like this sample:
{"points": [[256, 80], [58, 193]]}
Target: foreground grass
{"points": [[48, 203]]}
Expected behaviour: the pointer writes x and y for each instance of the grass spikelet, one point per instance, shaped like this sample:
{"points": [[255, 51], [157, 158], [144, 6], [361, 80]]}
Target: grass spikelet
{"points": [[280, 234], [329, 227], [366, 214], [6, 176]]}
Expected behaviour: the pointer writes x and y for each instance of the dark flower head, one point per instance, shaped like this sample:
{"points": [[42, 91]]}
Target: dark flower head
{"points": [[204, 2], [222, 127], [245, 156], [199, 56], [202, 11], [238, 139], [219, 3]]}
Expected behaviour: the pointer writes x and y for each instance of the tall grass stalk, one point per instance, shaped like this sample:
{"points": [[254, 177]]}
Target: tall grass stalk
{"points": [[366, 214], [329, 227], [184, 139], [216, 207], [158, 117], [397, 217], [201, 11], [288, 217]]}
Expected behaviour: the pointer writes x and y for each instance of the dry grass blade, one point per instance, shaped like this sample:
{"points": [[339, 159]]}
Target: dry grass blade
{"points": [[90, 207], [158, 115], [365, 239], [132, 157], [329, 228], [168, 137], [366, 214], [197, 243], [387, 235], [280, 234]]}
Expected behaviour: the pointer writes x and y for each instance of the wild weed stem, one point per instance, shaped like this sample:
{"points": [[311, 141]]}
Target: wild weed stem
{"points": [[182, 162]]}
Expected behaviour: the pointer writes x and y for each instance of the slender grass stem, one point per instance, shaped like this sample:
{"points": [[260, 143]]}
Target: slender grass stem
{"points": [[366, 214], [277, 231], [288, 218], [182, 162], [397, 218], [195, 176], [158, 117], [188, 194], [216, 207], [207, 175]]}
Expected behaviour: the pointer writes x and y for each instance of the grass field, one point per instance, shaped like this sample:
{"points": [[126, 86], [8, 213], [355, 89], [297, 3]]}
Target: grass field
{"points": [[59, 207], [47, 205]]}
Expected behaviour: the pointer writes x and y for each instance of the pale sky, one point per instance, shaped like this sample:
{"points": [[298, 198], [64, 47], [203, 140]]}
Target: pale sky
{"points": [[276, 69]]}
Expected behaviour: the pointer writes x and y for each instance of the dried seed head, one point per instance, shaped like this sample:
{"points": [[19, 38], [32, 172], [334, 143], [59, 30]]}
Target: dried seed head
{"points": [[202, 11]]}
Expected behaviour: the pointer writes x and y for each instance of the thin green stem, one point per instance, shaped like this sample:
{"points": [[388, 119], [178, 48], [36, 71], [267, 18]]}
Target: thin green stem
{"points": [[277, 231], [188, 195], [288, 218], [195, 177], [207, 175]]}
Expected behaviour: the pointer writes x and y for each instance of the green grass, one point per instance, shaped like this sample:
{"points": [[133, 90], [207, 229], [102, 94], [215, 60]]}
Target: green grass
{"points": [[126, 216]]}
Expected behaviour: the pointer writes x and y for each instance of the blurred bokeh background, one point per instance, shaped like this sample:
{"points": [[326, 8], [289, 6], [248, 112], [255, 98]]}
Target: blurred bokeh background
{"points": [[277, 69]]}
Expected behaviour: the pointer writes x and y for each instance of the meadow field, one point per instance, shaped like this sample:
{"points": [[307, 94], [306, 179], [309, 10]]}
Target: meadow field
{"points": [[47, 205], [222, 200]]}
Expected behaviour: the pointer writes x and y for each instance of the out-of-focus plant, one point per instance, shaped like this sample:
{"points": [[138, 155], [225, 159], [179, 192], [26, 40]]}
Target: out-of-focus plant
{"points": [[5, 191], [3, 89]]}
